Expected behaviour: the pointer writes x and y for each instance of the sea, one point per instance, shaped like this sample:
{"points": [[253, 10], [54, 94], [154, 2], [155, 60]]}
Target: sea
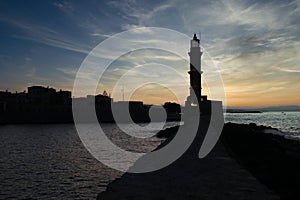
{"points": [[287, 123], [50, 162]]}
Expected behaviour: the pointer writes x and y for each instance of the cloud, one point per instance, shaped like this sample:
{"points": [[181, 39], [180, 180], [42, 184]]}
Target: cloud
{"points": [[31, 72], [100, 35], [93, 19], [254, 43], [65, 6], [290, 70], [254, 76], [46, 35], [67, 71]]}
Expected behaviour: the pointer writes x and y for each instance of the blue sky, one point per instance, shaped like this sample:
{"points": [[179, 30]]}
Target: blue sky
{"points": [[255, 43]]}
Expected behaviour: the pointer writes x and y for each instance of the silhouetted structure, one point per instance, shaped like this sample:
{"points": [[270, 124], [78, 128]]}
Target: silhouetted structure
{"points": [[46, 95], [46, 105], [173, 111], [196, 100], [39, 105], [195, 70], [172, 107]]}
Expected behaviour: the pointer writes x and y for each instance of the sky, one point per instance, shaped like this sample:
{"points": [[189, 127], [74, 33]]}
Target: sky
{"points": [[255, 45]]}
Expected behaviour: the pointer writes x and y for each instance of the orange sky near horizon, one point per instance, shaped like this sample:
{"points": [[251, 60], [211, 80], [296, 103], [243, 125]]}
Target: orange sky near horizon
{"points": [[254, 44], [150, 95]]}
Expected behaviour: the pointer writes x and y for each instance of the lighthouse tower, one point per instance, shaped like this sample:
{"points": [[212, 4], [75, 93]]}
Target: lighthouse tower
{"points": [[196, 103], [195, 73]]}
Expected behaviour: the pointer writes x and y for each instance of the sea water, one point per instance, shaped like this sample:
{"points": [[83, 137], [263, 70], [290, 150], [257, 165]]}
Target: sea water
{"points": [[50, 161], [288, 123]]}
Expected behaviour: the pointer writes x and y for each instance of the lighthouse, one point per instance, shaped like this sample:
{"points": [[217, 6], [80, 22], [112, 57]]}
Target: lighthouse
{"points": [[195, 72]]}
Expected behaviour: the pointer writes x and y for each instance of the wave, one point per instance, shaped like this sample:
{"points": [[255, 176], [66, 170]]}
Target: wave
{"points": [[286, 135]]}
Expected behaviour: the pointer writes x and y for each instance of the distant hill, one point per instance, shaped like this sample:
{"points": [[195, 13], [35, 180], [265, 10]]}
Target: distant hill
{"points": [[265, 109], [281, 108]]}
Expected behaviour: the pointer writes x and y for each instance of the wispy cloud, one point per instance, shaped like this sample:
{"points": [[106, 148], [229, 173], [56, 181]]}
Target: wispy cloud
{"points": [[92, 21], [46, 36], [100, 35], [256, 44], [31, 72], [67, 71]]}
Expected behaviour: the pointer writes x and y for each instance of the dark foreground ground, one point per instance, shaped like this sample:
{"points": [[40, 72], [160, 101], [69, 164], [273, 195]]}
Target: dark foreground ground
{"points": [[272, 159], [245, 164]]}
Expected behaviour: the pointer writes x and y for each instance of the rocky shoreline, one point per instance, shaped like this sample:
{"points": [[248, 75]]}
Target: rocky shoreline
{"points": [[272, 159], [246, 163]]}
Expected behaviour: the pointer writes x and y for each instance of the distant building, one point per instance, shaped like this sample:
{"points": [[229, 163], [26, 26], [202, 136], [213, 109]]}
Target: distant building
{"points": [[46, 95], [40, 94], [100, 99], [38, 98], [62, 97], [172, 107], [21, 97], [39, 105], [4, 96], [134, 106], [136, 110]]}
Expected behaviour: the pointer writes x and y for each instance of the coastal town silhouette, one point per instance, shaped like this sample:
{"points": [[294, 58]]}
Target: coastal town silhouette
{"points": [[147, 100], [46, 105]]}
